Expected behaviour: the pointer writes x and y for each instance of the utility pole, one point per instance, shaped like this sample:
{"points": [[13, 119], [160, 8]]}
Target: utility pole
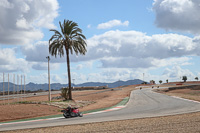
{"points": [[13, 86], [24, 88], [143, 78], [8, 88], [21, 90], [13, 83], [73, 83], [18, 96], [49, 78], [3, 89]]}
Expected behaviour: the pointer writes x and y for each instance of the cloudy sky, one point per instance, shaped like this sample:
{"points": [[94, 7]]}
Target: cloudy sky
{"points": [[126, 39]]}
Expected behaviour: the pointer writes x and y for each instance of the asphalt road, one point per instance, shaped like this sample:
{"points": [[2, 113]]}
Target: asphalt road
{"points": [[143, 103], [15, 96]]}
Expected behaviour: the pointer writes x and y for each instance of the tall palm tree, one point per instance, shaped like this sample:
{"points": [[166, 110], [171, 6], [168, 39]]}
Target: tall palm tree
{"points": [[70, 40]]}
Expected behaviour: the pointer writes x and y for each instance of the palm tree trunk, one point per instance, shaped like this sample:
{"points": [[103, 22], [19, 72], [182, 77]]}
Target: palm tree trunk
{"points": [[69, 75]]}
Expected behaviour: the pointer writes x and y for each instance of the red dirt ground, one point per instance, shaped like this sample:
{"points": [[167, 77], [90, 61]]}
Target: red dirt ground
{"points": [[100, 100]]}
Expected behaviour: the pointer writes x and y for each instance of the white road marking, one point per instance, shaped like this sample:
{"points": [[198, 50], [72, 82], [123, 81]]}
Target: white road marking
{"points": [[107, 110], [185, 99]]}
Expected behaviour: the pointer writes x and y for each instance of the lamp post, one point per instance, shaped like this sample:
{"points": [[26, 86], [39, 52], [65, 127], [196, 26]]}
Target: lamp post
{"points": [[49, 78]]}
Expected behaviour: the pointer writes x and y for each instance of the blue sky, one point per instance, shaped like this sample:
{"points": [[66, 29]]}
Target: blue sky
{"points": [[125, 39]]}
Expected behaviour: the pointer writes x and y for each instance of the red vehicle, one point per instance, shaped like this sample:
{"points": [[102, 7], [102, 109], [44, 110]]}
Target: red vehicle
{"points": [[71, 112]]}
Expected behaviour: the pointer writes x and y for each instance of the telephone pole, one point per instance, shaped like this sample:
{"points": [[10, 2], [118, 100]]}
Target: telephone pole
{"points": [[49, 78]]}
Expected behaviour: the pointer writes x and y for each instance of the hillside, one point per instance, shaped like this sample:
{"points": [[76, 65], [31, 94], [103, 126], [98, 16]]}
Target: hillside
{"points": [[56, 86]]}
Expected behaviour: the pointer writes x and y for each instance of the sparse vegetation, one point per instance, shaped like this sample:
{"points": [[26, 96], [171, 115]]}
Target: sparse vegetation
{"points": [[144, 82], [64, 93], [152, 82]]}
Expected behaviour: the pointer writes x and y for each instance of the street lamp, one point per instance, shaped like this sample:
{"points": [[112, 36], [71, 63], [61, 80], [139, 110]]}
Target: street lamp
{"points": [[49, 78]]}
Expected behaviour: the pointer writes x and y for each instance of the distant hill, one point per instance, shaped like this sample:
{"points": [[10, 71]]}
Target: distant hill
{"points": [[114, 84], [56, 86]]}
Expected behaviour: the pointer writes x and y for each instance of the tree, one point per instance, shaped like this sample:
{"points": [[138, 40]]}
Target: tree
{"points": [[144, 82], [184, 78], [152, 82], [160, 81], [69, 40], [167, 81], [197, 78]]}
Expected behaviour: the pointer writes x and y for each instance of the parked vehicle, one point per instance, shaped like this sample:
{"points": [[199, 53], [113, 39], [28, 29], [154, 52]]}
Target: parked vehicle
{"points": [[71, 112]]}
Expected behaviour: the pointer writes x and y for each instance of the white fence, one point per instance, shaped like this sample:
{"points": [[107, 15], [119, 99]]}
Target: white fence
{"points": [[11, 92]]}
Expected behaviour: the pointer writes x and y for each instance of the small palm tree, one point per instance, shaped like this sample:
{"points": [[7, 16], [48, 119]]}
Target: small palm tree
{"points": [[197, 78], [160, 81], [64, 93], [70, 40]]}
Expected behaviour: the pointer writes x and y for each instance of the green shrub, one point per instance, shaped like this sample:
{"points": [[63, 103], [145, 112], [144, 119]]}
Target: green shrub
{"points": [[64, 93]]}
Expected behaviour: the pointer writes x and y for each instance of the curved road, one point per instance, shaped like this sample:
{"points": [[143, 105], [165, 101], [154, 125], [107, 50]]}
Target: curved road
{"points": [[143, 103]]}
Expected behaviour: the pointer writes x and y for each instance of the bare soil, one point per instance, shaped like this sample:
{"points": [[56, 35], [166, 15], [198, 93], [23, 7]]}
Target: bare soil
{"points": [[188, 93], [85, 100], [185, 123]]}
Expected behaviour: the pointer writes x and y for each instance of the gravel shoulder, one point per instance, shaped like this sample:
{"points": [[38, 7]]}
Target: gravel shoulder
{"points": [[85, 100], [185, 123], [187, 92]]}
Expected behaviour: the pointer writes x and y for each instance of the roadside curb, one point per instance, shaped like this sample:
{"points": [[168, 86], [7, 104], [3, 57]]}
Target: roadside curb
{"points": [[118, 106], [122, 103], [185, 99]]}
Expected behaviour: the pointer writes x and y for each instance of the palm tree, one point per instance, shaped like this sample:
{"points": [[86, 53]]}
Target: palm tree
{"points": [[69, 39]]}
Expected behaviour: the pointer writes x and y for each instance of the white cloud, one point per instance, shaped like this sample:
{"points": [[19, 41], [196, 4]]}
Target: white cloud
{"points": [[9, 62], [21, 20], [79, 67], [112, 23], [125, 49], [43, 78], [44, 66], [38, 53], [171, 62], [178, 15], [89, 26], [132, 49], [106, 75], [110, 75], [176, 73], [86, 64], [6, 4]]}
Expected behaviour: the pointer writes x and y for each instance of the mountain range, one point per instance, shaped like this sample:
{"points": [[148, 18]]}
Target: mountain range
{"points": [[57, 86]]}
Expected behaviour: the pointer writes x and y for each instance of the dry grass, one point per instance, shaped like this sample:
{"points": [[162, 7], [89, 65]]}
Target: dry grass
{"points": [[86, 100], [186, 123], [187, 92]]}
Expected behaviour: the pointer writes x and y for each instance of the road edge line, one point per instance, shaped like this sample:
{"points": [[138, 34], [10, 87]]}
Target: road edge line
{"points": [[102, 110]]}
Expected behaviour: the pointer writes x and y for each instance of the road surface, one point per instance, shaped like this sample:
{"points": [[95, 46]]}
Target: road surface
{"points": [[143, 103]]}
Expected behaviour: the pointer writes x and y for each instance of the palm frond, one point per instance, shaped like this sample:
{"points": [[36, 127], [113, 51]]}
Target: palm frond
{"points": [[70, 39]]}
